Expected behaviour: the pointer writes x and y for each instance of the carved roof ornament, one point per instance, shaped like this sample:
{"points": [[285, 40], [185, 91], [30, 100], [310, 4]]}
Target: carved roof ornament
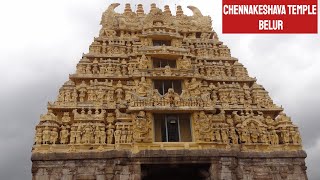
{"points": [[196, 11], [153, 8], [108, 15], [179, 11], [167, 10], [139, 20], [127, 9], [140, 11]]}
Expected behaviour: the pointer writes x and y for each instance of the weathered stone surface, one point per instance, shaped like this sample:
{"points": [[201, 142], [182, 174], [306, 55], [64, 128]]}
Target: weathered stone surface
{"points": [[124, 165]]}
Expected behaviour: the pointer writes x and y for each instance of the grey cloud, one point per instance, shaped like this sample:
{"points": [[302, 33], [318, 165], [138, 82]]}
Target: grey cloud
{"points": [[36, 60]]}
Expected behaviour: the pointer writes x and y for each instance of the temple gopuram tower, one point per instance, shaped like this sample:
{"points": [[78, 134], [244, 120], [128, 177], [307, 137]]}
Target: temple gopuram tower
{"points": [[159, 96]]}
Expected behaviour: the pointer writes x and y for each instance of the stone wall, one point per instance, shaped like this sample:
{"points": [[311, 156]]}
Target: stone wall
{"points": [[124, 165]]}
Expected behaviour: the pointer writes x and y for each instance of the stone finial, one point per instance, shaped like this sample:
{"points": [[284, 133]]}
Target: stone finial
{"points": [[179, 11], [167, 9], [195, 10], [153, 7], [127, 8], [140, 10]]}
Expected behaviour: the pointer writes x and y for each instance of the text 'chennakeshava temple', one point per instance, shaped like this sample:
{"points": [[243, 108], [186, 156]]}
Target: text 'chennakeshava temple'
{"points": [[159, 96]]}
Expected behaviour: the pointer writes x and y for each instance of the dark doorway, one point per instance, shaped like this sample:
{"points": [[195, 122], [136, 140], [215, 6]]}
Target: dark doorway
{"points": [[175, 172], [172, 128]]}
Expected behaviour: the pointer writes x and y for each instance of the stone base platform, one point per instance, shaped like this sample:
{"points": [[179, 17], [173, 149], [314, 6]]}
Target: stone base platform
{"points": [[163, 164]]}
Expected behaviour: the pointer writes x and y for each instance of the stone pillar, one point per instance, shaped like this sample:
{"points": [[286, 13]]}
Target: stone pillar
{"points": [[100, 177], [136, 172], [41, 174], [227, 168], [67, 174], [214, 171], [67, 177], [125, 173], [100, 174], [110, 171]]}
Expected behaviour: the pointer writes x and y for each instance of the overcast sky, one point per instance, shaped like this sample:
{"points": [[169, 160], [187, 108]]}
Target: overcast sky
{"points": [[41, 42]]}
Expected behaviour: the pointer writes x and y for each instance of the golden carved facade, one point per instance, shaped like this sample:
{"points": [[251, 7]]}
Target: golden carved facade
{"points": [[111, 100]]}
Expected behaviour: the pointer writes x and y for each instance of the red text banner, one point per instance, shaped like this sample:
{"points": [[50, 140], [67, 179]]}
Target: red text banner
{"points": [[270, 16]]}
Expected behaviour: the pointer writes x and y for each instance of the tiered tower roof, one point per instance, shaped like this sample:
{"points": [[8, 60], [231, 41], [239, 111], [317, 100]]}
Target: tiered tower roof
{"points": [[143, 65]]}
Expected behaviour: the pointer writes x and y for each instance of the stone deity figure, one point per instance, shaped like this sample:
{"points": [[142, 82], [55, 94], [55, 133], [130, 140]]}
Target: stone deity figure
{"points": [[274, 140], [91, 95], [110, 132], [88, 69], [38, 137], [224, 136], [117, 134], [245, 136], [82, 90], [100, 95], [119, 92], [264, 137], [87, 135], [143, 87], [130, 69], [254, 136], [129, 136], [233, 136], [233, 98], [95, 69], [46, 135], [217, 135], [66, 117], [97, 135], [123, 137], [102, 135], [74, 96], [73, 135], [141, 127], [185, 63], [54, 136], [110, 118], [61, 96], [269, 121], [67, 97], [285, 136], [296, 138], [143, 62], [64, 134], [194, 87], [109, 70], [78, 135], [204, 126], [167, 70]]}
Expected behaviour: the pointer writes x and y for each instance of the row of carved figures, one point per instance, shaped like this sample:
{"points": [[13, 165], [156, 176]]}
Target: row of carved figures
{"points": [[86, 134], [246, 128], [237, 128], [249, 136], [138, 128], [204, 47], [90, 134], [115, 50], [215, 71], [141, 93], [125, 35]]}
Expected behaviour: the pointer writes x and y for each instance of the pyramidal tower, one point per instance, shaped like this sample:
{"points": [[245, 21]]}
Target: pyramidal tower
{"points": [[159, 96]]}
